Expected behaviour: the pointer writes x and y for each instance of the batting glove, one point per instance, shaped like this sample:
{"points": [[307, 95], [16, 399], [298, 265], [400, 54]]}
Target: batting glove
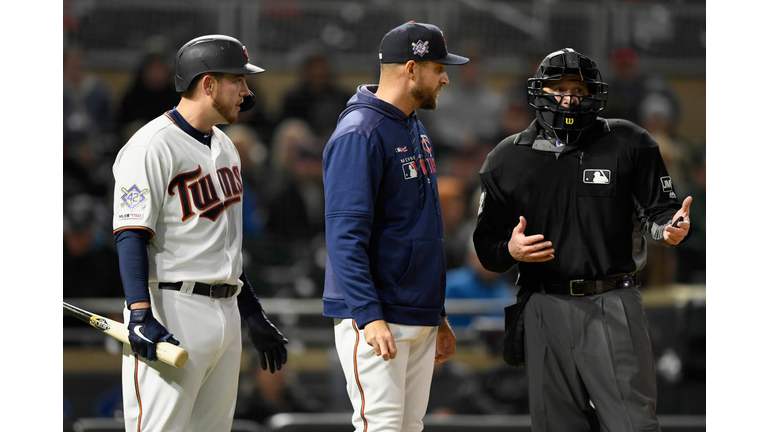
{"points": [[144, 332], [268, 340]]}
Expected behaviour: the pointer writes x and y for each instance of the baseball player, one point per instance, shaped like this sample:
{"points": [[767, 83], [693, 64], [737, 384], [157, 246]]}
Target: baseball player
{"points": [[178, 228], [570, 201], [385, 272]]}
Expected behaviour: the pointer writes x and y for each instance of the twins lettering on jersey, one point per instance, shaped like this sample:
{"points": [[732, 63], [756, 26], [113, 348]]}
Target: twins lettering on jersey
{"points": [[200, 192]]}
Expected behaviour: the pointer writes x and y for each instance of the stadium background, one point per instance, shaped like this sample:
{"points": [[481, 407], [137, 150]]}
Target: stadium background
{"points": [[118, 68]]}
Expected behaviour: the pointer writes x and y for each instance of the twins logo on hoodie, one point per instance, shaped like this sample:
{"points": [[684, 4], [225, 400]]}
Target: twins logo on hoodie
{"points": [[411, 163]]}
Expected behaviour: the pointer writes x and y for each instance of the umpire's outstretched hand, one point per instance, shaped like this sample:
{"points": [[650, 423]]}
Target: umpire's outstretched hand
{"points": [[674, 235], [144, 332], [268, 340], [529, 248]]}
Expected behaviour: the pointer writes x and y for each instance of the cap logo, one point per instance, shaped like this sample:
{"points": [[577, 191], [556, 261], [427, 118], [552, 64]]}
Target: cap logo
{"points": [[245, 51], [420, 48]]}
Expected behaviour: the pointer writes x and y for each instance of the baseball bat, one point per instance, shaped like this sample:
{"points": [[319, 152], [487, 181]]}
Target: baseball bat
{"points": [[166, 352]]}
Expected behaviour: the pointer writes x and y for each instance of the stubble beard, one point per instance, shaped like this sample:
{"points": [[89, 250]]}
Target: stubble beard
{"points": [[426, 98], [226, 113]]}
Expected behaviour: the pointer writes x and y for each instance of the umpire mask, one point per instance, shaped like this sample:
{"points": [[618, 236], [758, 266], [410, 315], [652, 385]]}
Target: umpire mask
{"points": [[567, 123]]}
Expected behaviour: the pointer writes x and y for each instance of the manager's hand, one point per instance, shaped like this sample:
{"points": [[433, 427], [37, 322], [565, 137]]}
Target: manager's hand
{"points": [[378, 336]]}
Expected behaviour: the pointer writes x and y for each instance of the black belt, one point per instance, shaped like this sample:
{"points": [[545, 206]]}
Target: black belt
{"points": [[581, 287], [213, 291]]}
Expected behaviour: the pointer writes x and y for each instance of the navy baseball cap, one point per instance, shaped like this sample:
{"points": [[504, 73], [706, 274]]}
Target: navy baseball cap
{"points": [[418, 42]]}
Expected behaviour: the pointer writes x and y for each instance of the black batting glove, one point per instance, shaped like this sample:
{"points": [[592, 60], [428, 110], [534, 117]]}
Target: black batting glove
{"points": [[144, 332], [268, 340]]}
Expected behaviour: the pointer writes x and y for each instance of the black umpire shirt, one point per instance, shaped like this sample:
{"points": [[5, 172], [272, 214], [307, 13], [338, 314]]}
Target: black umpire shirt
{"points": [[593, 201]]}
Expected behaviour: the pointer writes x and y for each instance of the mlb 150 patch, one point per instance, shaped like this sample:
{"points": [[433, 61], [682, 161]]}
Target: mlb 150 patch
{"points": [[597, 176]]}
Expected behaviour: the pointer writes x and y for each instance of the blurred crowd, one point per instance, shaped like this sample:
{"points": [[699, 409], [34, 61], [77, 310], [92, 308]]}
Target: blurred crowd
{"points": [[281, 155]]}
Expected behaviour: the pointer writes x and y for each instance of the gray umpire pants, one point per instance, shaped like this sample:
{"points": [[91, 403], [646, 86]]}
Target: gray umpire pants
{"points": [[589, 349]]}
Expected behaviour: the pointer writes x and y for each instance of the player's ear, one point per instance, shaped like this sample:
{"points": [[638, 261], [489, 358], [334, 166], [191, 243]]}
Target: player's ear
{"points": [[208, 82], [410, 69]]}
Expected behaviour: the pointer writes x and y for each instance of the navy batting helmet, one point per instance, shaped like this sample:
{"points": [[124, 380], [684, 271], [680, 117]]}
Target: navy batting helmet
{"points": [[567, 65], [214, 53]]}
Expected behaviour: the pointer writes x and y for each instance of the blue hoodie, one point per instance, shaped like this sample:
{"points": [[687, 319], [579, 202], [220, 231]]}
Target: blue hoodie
{"points": [[383, 228]]}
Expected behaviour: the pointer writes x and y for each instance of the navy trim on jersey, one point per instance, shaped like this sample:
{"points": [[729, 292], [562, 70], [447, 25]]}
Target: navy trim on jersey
{"points": [[204, 138]]}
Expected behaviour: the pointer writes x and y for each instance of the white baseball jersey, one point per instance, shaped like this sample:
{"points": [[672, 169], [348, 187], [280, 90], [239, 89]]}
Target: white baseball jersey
{"points": [[188, 196]]}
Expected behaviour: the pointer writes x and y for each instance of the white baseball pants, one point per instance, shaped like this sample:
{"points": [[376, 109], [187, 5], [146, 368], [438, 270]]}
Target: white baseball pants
{"points": [[387, 395], [200, 396]]}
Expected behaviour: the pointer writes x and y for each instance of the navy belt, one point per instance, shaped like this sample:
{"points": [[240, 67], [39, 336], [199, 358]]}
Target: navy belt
{"points": [[216, 291], [581, 287]]}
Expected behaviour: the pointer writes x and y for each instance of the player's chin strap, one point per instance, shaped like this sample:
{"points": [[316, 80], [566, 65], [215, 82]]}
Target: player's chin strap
{"points": [[248, 102]]}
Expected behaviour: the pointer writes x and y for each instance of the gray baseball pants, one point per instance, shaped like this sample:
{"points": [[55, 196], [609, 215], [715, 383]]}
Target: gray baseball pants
{"points": [[589, 363]]}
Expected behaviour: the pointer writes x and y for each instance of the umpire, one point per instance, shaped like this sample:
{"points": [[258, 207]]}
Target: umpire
{"points": [[570, 202]]}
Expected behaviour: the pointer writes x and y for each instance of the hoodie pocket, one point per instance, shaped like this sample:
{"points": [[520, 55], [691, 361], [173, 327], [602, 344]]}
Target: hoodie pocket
{"points": [[423, 283]]}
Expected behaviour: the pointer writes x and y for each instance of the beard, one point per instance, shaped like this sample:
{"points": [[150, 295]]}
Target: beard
{"points": [[426, 98], [230, 115]]}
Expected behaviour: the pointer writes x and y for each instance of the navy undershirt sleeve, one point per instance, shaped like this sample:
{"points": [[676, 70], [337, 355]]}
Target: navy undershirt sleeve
{"points": [[247, 301], [134, 264]]}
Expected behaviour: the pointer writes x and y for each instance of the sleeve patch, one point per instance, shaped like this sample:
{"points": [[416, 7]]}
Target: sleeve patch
{"points": [[133, 197]]}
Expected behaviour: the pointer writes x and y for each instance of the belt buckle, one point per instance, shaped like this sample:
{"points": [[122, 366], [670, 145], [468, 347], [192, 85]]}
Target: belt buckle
{"points": [[579, 282], [210, 293]]}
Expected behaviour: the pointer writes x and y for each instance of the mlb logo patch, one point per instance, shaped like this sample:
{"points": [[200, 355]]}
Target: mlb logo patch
{"points": [[597, 176], [409, 170], [401, 149]]}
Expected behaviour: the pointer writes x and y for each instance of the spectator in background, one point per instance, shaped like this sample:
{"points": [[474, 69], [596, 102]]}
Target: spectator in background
{"points": [[296, 205], [692, 255], [254, 173], [90, 260], [152, 91], [470, 113], [457, 227], [629, 86], [86, 98], [263, 394], [456, 390], [657, 116], [258, 117], [516, 115], [316, 99], [88, 127], [472, 281]]}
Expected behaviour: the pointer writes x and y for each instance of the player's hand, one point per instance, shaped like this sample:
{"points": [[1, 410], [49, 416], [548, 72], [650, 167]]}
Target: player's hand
{"points": [[144, 332], [529, 248], [378, 336], [446, 342], [674, 235], [268, 340]]}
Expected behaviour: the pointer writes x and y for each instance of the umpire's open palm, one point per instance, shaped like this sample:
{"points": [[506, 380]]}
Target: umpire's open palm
{"points": [[674, 235], [529, 248]]}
